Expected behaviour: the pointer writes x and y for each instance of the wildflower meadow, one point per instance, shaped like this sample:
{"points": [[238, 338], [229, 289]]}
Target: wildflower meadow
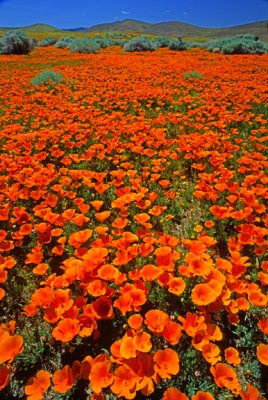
{"points": [[133, 225]]}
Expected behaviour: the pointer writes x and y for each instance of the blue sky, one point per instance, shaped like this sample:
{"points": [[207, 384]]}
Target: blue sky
{"points": [[85, 13]]}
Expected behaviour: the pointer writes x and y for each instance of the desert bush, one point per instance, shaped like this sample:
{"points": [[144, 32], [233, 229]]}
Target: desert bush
{"points": [[16, 42], [64, 42], [48, 41], [239, 44], [84, 45], [177, 44], [140, 43], [161, 41], [192, 74], [47, 77], [105, 42]]}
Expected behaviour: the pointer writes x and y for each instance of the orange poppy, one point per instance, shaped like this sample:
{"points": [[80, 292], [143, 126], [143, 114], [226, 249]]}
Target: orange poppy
{"points": [[125, 381], [156, 320], [174, 394], [263, 325], [10, 347], [135, 321], [100, 376], [66, 329], [232, 356], [127, 348], [4, 376], [203, 294], [102, 216], [225, 376], [262, 353], [150, 272], [177, 286], [142, 342], [63, 379], [37, 386], [102, 308], [171, 332], [211, 353], [166, 363], [251, 394], [41, 269]]}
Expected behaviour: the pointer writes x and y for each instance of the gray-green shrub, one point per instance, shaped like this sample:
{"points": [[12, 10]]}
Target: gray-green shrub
{"points": [[16, 42], [177, 44], [64, 42], [48, 41], [140, 43], [239, 44], [161, 41], [48, 77], [84, 45], [193, 74]]}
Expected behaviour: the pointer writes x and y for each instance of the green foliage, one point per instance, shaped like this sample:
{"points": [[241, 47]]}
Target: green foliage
{"points": [[64, 42], [193, 74], [140, 43], [177, 44], [84, 45], [162, 41], [47, 77], [239, 44], [16, 42], [48, 41]]}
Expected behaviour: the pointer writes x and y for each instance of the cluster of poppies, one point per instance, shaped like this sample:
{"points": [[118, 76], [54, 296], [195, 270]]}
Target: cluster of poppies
{"points": [[133, 204]]}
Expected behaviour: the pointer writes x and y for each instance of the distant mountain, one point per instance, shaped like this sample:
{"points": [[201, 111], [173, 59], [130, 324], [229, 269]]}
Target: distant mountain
{"points": [[81, 29], [35, 28], [125, 26], [174, 29], [170, 29]]}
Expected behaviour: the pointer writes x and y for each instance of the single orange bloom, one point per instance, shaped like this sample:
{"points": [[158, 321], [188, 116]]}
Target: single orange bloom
{"points": [[211, 353], [10, 347], [108, 272], [4, 376], [172, 332], [166, 363], [100, 376], [262, 353], [2, 293], [37, 386], [102, 308], [127, 348], [203, 396], [263, 325], [156, 320], [135, 321], [176, 286], [125, 381], [150, 272], [63, 379], [102, 216], [142, 342], [225, 376], [257, 298], [66, 329], [174, 394], [41, 269], [203, 294], [79, 237], [251, 394], [232, 356]]}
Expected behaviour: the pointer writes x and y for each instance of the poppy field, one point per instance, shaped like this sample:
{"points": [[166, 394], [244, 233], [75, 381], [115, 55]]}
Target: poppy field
{"points": [[133, 226]]}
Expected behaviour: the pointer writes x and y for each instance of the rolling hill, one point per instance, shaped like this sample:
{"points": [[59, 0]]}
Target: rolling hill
{"points": [[170, 29], [174, 28]]}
